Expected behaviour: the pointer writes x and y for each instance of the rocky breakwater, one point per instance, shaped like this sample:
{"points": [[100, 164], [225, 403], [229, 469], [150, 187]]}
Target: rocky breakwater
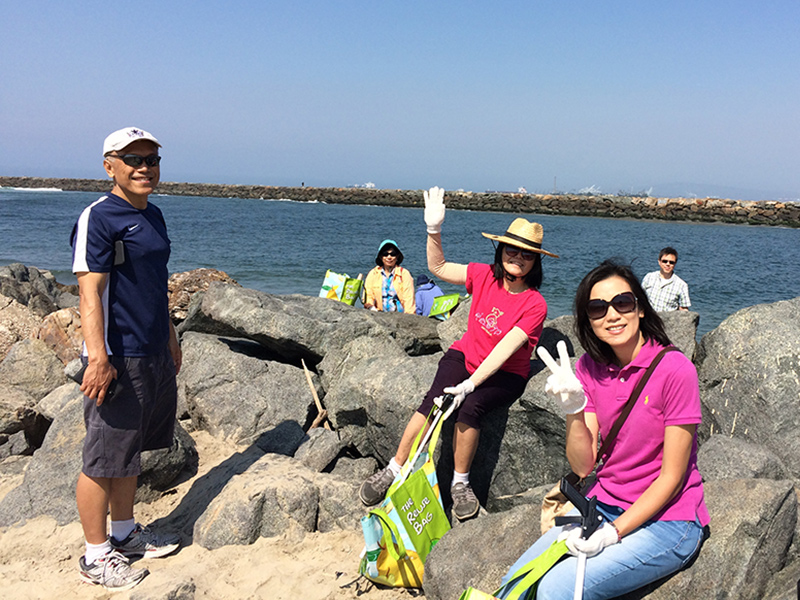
{"points": [[766, 212], [251, 359]]}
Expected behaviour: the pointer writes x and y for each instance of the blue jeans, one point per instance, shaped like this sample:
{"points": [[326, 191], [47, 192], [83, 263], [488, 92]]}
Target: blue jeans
{"points": [[654, 550]]}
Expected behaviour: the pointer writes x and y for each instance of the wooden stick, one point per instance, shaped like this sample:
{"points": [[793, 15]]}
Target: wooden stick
{"points": [[322, 415]]}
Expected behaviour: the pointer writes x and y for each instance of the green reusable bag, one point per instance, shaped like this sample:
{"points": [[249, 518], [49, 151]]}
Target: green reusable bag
{"points": [[351, 290], [341, 287], [444, 305], [526, 578], [420, 511], [400, 533]]}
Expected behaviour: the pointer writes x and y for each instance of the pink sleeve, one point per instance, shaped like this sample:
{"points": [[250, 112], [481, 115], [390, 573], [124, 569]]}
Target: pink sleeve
{"points": [[472, 272], [532, 320], [681, 393]]}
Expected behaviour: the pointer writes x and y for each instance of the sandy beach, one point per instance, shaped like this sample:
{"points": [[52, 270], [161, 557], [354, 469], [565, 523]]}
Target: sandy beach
{"points": [[39, 560]]}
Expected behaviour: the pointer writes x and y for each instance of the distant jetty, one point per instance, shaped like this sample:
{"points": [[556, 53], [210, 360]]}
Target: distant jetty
{"points": [[709, 210]]}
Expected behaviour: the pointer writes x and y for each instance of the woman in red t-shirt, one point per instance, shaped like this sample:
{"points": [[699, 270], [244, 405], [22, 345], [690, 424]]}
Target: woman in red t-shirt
{"points": [[490, 365]]}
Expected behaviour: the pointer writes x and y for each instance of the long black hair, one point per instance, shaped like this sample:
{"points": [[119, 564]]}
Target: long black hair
{"points": [[651, 325], [534, 277]]}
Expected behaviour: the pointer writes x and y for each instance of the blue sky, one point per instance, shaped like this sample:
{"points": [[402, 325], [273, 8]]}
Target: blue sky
{"points": [[686, 97]]}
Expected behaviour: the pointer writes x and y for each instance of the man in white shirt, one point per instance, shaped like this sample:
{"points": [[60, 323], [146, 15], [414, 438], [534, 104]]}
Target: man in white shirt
{"points": [[665, 290]]}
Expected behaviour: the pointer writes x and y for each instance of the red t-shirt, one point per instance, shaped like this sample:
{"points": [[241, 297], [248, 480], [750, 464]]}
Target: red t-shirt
{"points": [[495, 312]]}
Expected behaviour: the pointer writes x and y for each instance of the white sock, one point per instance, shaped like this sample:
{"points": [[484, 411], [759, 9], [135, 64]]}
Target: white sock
{"points": [[395, 467], [460, 478], [122, 529], [95, 551]]}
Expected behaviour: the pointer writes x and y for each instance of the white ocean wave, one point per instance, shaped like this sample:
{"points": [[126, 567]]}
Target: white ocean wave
{"points": [[19, 189]]}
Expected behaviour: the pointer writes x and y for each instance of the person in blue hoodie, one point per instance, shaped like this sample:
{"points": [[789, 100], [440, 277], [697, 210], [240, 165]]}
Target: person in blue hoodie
{"points": [[427, 290]]}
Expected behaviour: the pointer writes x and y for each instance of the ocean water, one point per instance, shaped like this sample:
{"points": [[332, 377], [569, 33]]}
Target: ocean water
{"points": [[285, 247]]}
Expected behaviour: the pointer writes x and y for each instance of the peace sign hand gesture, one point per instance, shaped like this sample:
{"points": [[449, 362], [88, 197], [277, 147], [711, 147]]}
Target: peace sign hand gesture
{"points": [[562, 382]]}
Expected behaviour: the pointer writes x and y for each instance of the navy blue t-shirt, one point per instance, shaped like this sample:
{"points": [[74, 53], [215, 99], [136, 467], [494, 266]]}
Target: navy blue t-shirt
{"points": [[112, 236]]}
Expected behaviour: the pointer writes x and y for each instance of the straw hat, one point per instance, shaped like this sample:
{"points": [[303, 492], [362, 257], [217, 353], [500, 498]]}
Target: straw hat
{"points": [[522, 234]]}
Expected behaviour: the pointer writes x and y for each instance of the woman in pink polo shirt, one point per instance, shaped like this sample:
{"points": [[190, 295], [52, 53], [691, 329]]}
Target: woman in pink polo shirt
{"points": [[648, 488], [490, 365]]}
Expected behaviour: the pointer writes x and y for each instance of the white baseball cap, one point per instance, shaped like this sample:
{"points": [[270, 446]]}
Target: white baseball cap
{"points": [[123, 137]]}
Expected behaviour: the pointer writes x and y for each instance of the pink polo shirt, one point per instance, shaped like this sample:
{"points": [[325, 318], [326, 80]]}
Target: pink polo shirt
{"points": [[493, 313], [670, 397]]}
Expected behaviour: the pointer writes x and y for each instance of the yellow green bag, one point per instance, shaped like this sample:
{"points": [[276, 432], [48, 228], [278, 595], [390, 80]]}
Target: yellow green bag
{"points": [[443, 305], [341, 287], [525, 579], [400, 533]]}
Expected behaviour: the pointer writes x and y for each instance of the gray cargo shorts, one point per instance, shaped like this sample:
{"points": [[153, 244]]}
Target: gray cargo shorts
{"points": [[140, 416]]}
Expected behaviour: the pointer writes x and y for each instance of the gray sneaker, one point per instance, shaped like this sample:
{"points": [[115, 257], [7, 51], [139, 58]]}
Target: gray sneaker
{"points": [[145, 542], [465, 503], [374, 489], [112, 571]]}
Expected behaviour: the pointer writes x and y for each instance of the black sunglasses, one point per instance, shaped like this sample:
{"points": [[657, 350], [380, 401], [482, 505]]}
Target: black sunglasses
{"points": [[623, 303], [135, 161], [526, 254], [388, 253], [669, 262]]}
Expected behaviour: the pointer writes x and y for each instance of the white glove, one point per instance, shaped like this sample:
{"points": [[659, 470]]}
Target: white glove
{"points": [[606, 535], [434, 209], [562, 383], [568, 530], [460, 391]]}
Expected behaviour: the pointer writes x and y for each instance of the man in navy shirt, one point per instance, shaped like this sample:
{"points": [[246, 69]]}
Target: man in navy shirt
{"points": [[132, 355]]}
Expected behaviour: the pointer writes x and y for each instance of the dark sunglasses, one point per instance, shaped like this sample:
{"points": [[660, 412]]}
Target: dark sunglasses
{"points": [[623, 303], [669, 262], [388, 253], [526, 254], [135, 161]]}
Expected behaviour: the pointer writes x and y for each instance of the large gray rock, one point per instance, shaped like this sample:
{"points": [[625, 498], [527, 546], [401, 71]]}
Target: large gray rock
{"points": [[231, 391], [453, 328], [32, 366], [55, 401], [37, 289], [372, 389], [681, 326], [161, 467], [320, 449], [724, 457], [751, 528], [339, 504], [274, 495], [749, 369], [783, 586], [48, 487], [17, 322], [12, 401], [479, 552], [298, 327]]}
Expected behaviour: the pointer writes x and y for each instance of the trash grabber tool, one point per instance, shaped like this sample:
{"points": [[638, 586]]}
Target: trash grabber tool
{"points": [[589, 520], [447, 400]]}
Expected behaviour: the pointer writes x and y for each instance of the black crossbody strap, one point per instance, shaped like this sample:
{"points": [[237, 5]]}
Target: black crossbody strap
{"points": [[612, 435]]}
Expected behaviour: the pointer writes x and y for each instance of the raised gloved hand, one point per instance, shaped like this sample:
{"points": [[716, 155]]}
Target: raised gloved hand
{"points": [[562, 382], [434, 209], [606, 535]]}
